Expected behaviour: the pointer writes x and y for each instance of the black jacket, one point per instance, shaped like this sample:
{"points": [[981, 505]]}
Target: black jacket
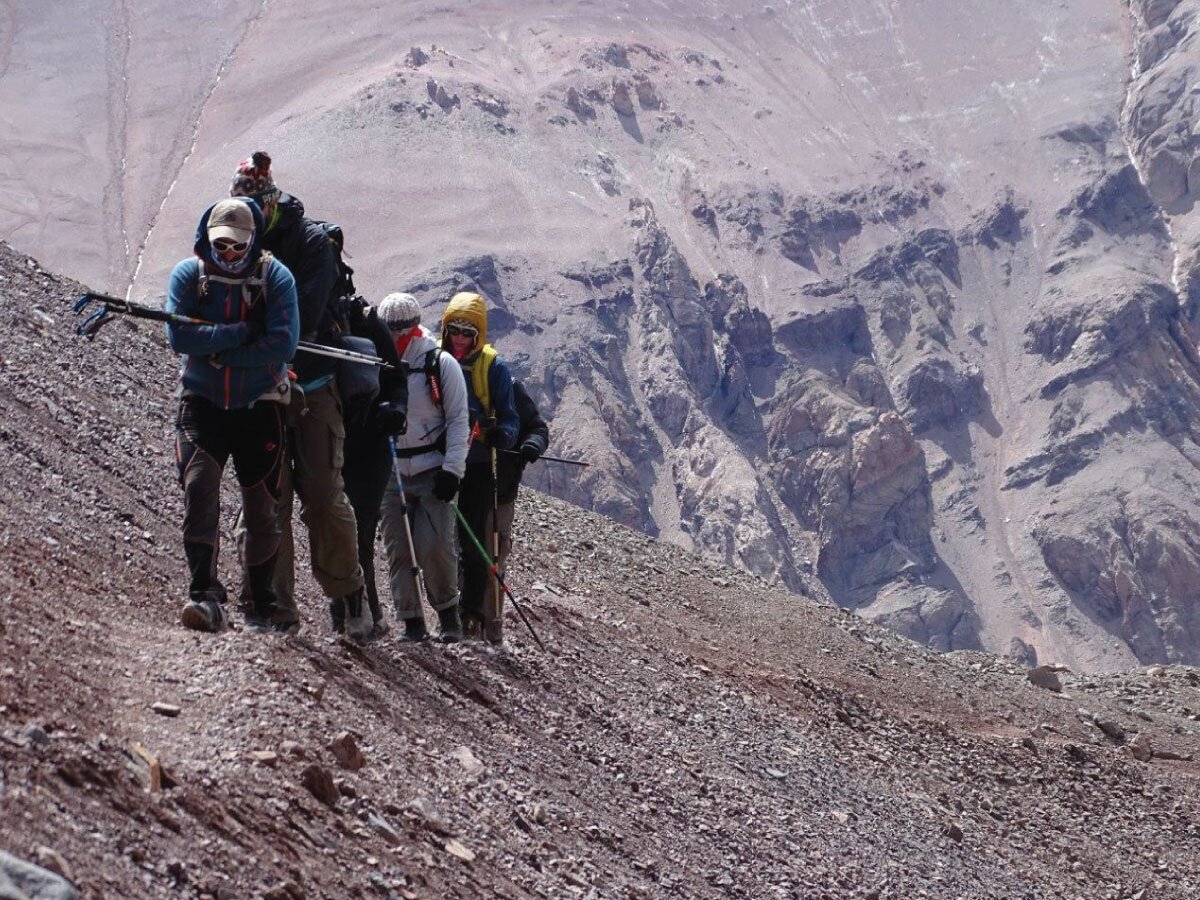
{"points": [[302, 245], [363, 321], [534, 433]]}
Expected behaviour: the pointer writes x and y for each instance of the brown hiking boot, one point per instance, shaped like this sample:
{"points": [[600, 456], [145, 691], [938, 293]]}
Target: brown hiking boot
{"points": [[493, 632]]}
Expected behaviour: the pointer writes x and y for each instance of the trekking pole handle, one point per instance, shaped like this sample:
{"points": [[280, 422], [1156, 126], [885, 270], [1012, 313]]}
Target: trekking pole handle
{"points": [[112, 305]]}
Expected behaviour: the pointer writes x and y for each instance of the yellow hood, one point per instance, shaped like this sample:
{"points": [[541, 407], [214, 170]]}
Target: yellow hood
{"points": [[470, 308]]}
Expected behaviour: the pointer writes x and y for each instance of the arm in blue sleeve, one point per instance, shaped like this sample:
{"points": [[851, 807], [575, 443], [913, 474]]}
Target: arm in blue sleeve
{"points": [[278, 344], [500, 386], [182, 299]]}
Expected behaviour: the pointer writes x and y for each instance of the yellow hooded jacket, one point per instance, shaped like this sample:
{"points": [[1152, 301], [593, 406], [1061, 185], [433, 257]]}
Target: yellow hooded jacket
{"points": [[469, 307]]}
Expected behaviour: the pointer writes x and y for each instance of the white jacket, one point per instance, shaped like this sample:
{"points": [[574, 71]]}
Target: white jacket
{"points": [[427, 421]]}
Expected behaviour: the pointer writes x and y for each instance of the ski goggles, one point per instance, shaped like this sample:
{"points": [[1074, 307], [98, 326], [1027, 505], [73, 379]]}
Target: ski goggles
{"points": [[456, 330], [225, 245]]}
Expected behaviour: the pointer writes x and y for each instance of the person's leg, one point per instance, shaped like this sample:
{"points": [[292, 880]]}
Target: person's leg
{"points": [[398, 527], [435, 537], [201, 451], [368, 466], [493, 604], [325, 511], [287, 616], [258, 458], [475, 503]]}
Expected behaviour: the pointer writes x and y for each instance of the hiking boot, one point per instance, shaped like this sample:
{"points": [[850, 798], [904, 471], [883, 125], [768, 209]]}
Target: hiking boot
{"points": [[493, 632], [381, 628], [472, 628], [415, 630], [205, 615], [254, 624], [450, 625], [358, 617], [337, 615]]}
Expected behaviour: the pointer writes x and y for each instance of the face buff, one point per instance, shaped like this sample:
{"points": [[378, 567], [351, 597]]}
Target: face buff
{"points": [[403, 340]]}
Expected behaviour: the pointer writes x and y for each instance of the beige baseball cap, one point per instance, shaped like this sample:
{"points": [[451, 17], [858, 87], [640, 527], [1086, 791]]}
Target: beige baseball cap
{"points": [[231, 219]]}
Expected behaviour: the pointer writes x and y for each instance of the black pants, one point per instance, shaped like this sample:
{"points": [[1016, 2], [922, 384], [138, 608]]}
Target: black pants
{"points": [[368, 464], [475, 499], [206, 436]]}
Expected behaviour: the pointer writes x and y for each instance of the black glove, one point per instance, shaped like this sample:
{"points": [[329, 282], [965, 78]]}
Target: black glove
{"points": [[254, 331], [445, 485], [390, 419], [529, 453], [495, 436]]}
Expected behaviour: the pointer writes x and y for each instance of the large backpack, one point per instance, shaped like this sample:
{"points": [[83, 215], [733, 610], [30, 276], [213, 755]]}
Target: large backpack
{"points": [[343, 288]]}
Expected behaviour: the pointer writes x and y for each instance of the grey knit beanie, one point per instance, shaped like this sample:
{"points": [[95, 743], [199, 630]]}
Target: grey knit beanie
{"points": [[400, 311]]}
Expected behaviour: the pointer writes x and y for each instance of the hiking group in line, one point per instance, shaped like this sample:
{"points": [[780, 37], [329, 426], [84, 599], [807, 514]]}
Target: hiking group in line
{"points": [[442, 419]]}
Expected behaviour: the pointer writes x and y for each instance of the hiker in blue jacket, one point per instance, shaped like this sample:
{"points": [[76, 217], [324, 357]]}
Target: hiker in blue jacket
{"points": [[232, 398]]}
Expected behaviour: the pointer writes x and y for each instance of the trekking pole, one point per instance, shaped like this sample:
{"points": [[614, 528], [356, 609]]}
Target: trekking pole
{"points": [[495, 570], [557, 459], [110, 307], [417, 575], [497, 604]]}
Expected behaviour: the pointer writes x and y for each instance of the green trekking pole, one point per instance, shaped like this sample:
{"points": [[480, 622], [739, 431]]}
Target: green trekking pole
{"points": [[494, 569]]}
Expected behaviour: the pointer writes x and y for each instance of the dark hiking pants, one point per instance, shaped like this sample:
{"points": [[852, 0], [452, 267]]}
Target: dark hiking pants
{"points": [[206, 437], [475, 499], [368, 466]]}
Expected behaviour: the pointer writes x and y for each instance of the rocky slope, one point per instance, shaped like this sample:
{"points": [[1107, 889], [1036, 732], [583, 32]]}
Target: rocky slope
{"points": [[690, 731], [898, 297]]}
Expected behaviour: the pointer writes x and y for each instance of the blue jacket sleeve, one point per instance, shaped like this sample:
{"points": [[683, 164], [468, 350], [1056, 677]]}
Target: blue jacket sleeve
{"points": [[500, 386], [182, 299], [278, 344]]}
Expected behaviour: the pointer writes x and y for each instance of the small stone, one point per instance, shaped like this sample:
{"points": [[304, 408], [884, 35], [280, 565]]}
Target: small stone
{"points": [[52, 860], [428, 816], [1140, 749], [454, 848], [21, 874], [1046, 678], [621, 101], [284, 890], [36, 735], [468, 760], [320, 784], [384, 829], [345, 750], [166, 709]]}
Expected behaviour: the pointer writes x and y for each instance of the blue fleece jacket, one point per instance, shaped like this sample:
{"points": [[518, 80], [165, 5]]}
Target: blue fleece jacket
{"points": [[219, 364]]}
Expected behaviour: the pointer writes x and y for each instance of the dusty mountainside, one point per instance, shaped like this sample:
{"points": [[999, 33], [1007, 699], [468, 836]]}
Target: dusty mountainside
{"points": [[896, 296], [690, 731]]}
